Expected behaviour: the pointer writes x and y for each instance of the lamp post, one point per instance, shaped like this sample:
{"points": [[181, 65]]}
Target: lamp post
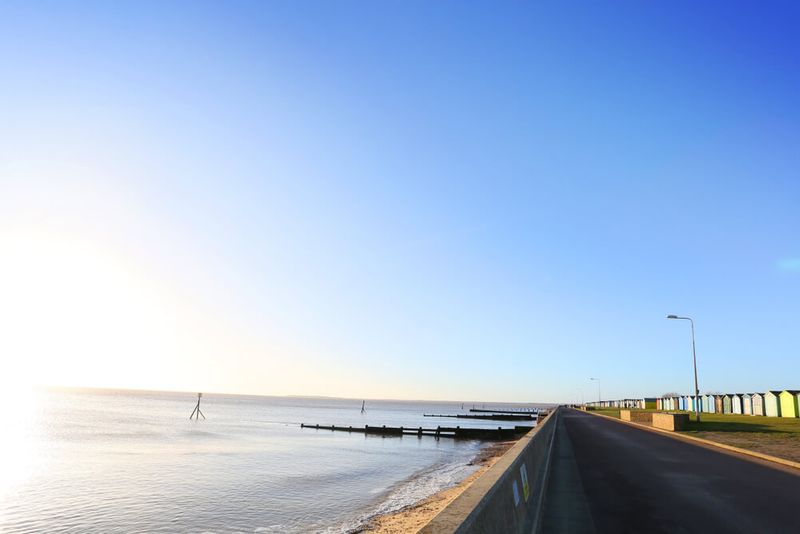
{"points": [[598, 390], [694, 359]]}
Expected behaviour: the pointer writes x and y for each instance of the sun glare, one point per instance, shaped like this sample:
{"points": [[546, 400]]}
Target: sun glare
{"points": [[19, 448], [76, 314]]}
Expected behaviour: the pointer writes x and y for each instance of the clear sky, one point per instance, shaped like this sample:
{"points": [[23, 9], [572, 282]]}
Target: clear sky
{"points": [[467, 201]]}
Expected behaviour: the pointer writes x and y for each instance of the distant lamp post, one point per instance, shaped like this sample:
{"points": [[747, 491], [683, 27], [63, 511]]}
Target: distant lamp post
{"points": [[598, 390], [694, 359]]}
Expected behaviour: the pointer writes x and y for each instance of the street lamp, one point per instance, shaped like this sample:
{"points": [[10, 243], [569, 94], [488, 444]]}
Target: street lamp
{"points": [[694, 358], [598, 390]]}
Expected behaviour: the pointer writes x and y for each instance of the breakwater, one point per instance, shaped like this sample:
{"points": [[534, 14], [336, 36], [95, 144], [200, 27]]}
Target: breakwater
{"points": [[438, 432]]}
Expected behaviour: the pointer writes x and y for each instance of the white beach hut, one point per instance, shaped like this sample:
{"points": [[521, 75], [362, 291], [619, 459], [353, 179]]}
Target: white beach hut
{"points": [[772, 404], [758, 403], [747, 404], [736, 403]]}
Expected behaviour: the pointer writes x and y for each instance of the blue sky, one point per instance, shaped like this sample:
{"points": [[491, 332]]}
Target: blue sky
{"points": [[470, 201]]}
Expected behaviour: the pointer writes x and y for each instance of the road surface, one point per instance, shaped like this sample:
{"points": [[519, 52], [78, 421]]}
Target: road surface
{"points": [[611, 477]]}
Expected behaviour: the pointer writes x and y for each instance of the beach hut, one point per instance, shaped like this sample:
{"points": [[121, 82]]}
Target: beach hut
{"points": [[718, 404], [709, 403], [681, 403], [736, 403], [772, 404], [747, 404], [789, 403], [758, 403], [726, 404], [658, 404]]}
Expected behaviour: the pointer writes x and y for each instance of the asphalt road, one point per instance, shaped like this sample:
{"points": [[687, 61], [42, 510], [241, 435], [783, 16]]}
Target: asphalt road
{"points": [[610, 477]]}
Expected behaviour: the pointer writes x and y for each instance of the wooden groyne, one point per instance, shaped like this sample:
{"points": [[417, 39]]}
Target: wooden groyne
{"points": [[494, 416], [438, 432], [532, 411]]}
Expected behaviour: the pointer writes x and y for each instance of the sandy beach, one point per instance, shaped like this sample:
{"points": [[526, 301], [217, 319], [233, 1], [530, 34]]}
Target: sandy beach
{"points": [[416, 516]]}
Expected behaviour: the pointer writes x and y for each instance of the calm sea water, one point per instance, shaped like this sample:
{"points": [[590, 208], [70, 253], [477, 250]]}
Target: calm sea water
{"points": [[122, 461]]}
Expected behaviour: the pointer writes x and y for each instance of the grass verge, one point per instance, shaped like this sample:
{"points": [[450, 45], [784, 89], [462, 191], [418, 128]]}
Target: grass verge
{"points": [[776, 436]]}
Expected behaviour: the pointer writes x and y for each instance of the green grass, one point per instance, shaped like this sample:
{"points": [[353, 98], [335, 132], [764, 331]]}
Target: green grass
{"points": [[777, 436], [714, 422]]}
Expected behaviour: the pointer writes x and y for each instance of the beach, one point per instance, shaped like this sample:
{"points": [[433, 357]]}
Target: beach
{"points": [[133, 461], [416, 516]]}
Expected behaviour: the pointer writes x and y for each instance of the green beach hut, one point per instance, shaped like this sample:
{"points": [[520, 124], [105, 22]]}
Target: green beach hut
{"points": [[772, 404], [726, 404], [788, 399]]}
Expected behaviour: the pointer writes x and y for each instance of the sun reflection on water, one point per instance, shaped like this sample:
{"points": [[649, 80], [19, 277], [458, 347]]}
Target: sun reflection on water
{"points": [[20, 448]]}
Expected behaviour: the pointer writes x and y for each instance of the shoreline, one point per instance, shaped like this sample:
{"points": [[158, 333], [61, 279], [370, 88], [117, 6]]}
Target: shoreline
{"points": [[415, 516]]}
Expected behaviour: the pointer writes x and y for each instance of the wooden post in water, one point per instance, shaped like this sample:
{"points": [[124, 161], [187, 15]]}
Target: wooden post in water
{"points": [[363, 404], [197, 409]]}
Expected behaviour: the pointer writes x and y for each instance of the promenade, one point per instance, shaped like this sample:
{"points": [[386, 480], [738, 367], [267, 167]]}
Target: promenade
{"points": [[610, 477]]}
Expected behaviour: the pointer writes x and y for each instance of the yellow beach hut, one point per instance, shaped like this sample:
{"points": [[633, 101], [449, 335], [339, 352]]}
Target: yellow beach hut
{"points": [[789, 403]]}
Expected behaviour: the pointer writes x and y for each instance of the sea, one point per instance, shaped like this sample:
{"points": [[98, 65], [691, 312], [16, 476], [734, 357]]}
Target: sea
{"points": [[110, 461]]}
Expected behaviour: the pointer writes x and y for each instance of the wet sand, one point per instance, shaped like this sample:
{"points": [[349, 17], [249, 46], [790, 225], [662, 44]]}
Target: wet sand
{"points": [[416, 516]]}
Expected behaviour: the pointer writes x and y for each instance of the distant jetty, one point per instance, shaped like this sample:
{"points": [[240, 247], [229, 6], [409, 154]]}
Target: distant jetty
{"points": [[522, 410], [494, 416]]}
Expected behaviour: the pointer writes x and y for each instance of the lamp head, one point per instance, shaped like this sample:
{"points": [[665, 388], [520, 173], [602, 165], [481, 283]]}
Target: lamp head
{"points": [[672, 316]]}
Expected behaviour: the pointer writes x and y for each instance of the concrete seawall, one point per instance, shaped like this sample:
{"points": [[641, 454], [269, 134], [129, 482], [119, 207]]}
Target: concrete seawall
{"points": [[508, 497]]}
